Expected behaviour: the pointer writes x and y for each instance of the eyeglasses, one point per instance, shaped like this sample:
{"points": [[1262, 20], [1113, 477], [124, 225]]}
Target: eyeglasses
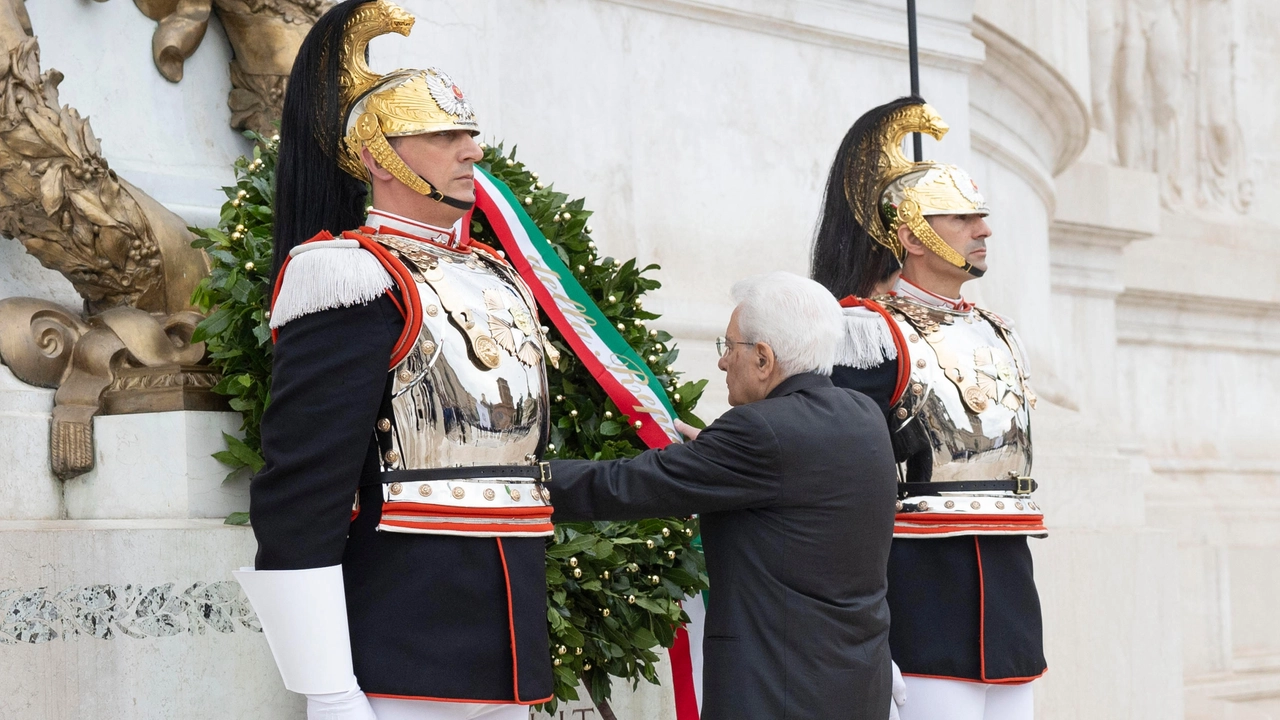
{"points": [[723, 344]]}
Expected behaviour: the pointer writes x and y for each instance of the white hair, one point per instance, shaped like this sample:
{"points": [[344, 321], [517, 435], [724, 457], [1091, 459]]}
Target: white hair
{"points": [[795, 316]]}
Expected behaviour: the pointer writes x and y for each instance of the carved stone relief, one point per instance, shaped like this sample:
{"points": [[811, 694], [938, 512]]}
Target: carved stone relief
{"points": [[109, 611], [264, 35], [1164, 94], [1224, 173]]}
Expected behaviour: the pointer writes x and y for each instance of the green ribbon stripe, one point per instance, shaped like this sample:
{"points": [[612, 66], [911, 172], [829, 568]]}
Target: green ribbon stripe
{"points": [[604, 329]]}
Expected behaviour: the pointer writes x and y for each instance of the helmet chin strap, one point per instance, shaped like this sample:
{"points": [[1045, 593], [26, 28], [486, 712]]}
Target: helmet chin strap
{"points": [[909, 213], [442, 198]]}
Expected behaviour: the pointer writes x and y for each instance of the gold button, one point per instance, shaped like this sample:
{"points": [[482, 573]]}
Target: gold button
{"points": [[968, 319], [429, 347], [404, 376], [396, 488], [898, 506], [999, 505], [950, 504], [489, 494], [384, 425], [432, 310], [923, 506], [392, 457], [901, 413], [515, 495], [424, 490], [975, 504], [417, 276], [920, 363], [913, 337], [458, 493], [917, 389], [1018, 505], [1034, 506]]}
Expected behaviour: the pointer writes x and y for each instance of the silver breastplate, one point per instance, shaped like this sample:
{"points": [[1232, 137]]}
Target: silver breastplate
{"points": [[473, 389], [969, 397]]}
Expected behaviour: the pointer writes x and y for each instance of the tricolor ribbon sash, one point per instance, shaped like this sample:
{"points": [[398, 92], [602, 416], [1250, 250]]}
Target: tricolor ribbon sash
{"points": [[614, 364], [611, 361]]}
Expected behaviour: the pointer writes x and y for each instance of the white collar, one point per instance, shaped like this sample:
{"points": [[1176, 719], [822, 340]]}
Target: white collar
{"points": [[908, 289], [413, 228]]}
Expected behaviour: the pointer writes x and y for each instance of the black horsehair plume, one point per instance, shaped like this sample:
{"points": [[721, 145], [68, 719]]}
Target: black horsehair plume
{"points": [[846, 259], [313, 193]]}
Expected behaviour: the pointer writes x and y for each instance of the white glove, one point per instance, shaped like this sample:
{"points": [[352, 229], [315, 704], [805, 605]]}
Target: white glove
{"points": [[303, 613], [349, 705], [899, 688]]}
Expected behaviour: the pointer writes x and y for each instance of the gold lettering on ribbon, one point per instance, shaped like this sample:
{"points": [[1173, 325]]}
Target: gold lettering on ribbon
{"points": [[632, 376]]}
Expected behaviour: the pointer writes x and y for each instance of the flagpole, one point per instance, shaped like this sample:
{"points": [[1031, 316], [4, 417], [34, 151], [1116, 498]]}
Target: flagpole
{"points": [[913, 49]]}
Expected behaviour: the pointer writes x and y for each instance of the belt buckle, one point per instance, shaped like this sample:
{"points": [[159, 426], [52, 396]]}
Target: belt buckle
{"points": [[1023, 485], [544, 469]]}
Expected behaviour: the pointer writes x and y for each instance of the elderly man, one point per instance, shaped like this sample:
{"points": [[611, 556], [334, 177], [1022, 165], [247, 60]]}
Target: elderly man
{"points": [[796, 487]]}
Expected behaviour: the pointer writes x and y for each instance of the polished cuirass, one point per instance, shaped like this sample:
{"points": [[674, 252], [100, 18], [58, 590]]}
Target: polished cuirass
{"points": [[472, 391], [964, 421]]}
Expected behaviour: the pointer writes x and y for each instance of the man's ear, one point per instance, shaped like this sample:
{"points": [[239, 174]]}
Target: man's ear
{"points": [[375, 170], [909, 241], [764, 356]]}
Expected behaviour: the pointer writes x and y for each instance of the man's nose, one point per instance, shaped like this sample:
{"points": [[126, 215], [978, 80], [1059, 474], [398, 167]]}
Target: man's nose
{"points": [[722, 365], [471, 151], [983, 229]]}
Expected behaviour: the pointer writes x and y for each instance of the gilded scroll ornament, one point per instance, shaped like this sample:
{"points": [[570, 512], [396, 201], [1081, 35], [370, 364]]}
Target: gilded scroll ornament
{"points": [[264, 35], [59, 197], [124, 353], [126, 255]]}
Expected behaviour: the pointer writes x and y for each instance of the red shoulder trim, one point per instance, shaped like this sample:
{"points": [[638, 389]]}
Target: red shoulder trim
{"points": [[410, 305], [899, 342], [411, 309]]}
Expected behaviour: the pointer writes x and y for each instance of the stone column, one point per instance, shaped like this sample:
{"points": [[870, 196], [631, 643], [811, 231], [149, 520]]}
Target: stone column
{"points": [[1107, 583]]}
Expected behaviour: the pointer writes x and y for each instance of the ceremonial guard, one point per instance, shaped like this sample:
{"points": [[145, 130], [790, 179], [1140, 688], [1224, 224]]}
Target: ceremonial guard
{"points": [[401, 516], [953, 382]]}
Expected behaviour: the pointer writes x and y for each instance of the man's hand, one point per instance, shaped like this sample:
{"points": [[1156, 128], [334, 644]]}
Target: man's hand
{"points": [[687, 430]]}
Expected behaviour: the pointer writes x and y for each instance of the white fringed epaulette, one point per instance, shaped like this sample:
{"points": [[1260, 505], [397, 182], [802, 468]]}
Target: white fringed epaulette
{"points": [[868, 340], [327, 274]]}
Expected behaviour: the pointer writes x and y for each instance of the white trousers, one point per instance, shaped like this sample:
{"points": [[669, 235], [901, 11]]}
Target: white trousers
{"points": [[396, 709], [933, 699]]}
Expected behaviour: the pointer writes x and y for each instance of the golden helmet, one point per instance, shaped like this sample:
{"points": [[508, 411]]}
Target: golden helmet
{"points": [[902, 192], [398, 104]]}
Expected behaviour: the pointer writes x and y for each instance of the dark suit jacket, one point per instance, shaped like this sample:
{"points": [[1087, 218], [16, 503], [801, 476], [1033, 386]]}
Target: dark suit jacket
{"points": [[796, 494]]}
